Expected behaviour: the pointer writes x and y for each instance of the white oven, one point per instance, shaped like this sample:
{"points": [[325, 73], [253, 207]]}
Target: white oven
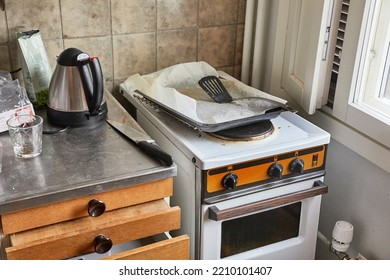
{"points": [[265, 225], [255, 198]]}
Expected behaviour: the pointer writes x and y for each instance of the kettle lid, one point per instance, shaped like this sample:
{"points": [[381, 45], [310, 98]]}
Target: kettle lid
{"points": [[70, 57]]}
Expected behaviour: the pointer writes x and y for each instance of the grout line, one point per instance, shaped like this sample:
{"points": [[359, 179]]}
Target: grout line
{"points": [[112, 47]]}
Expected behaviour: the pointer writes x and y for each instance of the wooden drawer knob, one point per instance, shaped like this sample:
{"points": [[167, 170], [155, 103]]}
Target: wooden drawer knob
{"points": [[102, 244], [96, 207]]}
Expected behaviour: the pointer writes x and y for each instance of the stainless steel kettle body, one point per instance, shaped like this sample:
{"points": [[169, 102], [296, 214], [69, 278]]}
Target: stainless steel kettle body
{"points": [[76, 90]]}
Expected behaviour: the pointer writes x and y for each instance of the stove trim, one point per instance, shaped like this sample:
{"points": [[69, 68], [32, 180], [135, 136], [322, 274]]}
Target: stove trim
{"points": [[224, 194]]}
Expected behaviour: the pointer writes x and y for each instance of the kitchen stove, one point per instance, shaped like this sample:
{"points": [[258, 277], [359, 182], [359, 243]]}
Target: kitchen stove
{"points": [[243, 199]]}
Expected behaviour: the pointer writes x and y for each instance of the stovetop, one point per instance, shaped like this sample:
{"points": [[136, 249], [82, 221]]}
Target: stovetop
{"points": [[291, 132]]}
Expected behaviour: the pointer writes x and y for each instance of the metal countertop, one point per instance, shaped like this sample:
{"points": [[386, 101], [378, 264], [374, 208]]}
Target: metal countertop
{"points": [[78, 162]]}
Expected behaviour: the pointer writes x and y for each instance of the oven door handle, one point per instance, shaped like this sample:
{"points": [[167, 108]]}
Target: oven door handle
{"points": [[319, 188]]}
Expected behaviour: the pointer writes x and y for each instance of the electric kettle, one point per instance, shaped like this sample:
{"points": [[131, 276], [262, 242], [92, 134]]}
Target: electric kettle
{"points": [[76, 90]]}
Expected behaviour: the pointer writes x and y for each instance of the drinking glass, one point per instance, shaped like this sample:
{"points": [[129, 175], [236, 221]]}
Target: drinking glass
{"points": [[26, 135]]}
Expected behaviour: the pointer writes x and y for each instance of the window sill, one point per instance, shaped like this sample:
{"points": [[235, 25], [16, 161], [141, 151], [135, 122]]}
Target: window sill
{"points": [[369, 123], [366, 147]]}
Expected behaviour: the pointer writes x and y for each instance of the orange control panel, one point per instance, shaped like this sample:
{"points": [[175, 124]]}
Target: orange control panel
{"points": [[265, 169]]}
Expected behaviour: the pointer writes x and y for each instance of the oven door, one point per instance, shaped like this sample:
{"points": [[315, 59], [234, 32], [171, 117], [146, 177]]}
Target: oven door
{"points": [[279, 223]]}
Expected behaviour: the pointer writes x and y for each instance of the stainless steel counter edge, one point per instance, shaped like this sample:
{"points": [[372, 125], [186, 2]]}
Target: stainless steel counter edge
{"points": [[93, 187]]}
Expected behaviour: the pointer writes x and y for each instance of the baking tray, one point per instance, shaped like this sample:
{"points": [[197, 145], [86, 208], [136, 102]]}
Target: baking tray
{"points": [[271, 113]]}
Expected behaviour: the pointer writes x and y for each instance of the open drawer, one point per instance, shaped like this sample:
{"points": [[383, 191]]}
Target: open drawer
{"points": [[94, 234], [157, 247]]}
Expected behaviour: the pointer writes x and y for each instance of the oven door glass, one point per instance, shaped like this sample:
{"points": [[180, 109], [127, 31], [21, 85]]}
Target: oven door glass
{"points": [[254, 231]]}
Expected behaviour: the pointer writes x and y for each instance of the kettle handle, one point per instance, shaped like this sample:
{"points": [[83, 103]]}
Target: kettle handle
{"points": [[93, 89]]}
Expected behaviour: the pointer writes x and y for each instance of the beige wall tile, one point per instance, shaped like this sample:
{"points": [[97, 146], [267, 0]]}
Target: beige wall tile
{"points": [[241, 11], [14, 56], [131, 36], [115, 88], [239, 44], [229, 70], [176, 47], [3, 28], [133, 16], [216, 45], [100, 47], [134, 53], [41, 14], [237, 72], [53, 49], [4, 59], [109, 85], [217, 12], [85, 18], [173, 14]]}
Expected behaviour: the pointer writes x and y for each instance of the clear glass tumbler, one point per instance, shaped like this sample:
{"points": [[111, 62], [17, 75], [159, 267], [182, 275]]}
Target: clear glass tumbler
{"points": [[26, 135]]}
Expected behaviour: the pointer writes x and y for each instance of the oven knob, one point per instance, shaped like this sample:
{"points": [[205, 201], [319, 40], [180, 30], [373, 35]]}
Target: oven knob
{"points": [[229, 181], [275, 170], [297, 165]]}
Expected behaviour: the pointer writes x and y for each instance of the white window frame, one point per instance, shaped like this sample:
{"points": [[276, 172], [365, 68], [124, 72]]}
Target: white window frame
{"points": [[348, 105], [374, 75]]}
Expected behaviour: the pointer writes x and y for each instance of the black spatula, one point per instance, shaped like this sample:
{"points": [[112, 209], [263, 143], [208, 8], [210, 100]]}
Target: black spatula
{"points": [[213, 86]]}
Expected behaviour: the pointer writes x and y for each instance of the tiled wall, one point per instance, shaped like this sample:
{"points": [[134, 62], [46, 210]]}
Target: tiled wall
{"points": [[130, 36]]}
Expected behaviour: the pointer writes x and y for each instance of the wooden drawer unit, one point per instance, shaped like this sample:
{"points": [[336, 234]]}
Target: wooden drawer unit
{"points": [[82, 207], [68, 229]]}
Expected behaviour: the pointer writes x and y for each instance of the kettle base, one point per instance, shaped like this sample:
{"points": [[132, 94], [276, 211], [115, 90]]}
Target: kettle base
{"points": [[75, 119]]}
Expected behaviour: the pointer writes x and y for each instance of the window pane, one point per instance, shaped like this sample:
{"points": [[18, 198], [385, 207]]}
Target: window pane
{"points": [[386, 78], [387, 91], [374, 67]]}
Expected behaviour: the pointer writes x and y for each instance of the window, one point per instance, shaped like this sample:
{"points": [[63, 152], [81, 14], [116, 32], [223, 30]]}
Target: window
{"points": [[302, 62], [337, 58], [372, 88], [360, 92]]}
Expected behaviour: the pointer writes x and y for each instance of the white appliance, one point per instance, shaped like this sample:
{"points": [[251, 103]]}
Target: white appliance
{"points": [[244, 199]]}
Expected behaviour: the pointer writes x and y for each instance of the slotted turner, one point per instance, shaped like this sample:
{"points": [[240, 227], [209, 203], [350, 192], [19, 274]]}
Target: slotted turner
{"points": [[213, 86]]}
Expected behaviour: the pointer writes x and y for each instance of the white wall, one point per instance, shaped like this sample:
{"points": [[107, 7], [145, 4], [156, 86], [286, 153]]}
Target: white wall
{"points": [[359, 192]]}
